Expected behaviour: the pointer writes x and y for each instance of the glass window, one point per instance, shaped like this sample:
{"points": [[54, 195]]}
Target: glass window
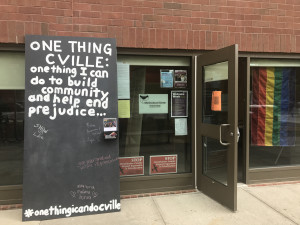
{"points": [[160, 137], [154, 132], [215, 160], [215, 92], [11, 136], [274, 113], [12, 73]]}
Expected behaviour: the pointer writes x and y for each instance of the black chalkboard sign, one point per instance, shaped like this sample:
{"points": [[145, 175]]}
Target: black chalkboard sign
{"points": [[70, 168]]}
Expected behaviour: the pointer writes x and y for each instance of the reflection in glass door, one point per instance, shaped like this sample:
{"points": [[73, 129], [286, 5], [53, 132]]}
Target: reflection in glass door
{"points": [[215, 111], [214, 160]]}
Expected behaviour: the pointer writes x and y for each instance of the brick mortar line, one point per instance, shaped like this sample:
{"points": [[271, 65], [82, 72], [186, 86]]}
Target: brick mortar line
{"points": [[9, 207], [265, 203], [19, 206], [157, 194], [273, 184]]}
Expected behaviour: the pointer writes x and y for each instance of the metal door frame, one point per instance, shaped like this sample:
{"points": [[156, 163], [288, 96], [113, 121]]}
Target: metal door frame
{"points": [[226, 195]]}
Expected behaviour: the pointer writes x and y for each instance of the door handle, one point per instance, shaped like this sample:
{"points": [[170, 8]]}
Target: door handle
{"points": [[223, 125], [238, 134]]}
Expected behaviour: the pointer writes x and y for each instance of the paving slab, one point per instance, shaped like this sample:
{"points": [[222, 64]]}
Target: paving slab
{"points": [[14, 217], [276, 205], [197, 208], [139, 211], [284, 198]]}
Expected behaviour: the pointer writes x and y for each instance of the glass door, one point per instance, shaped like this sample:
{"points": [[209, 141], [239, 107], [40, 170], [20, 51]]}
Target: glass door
{"points": [[217, 128]]}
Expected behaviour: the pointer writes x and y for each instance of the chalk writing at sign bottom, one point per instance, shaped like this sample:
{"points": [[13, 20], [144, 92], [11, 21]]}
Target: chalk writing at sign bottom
{"points": [[96, 162], [69, 211], [84, 192]]}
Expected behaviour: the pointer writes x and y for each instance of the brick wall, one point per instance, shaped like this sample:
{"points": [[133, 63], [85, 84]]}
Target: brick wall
{"points": [[256, 25]]}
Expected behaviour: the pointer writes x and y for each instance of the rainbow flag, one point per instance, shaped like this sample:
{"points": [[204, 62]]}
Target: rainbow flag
{"points": [[273, 106]]}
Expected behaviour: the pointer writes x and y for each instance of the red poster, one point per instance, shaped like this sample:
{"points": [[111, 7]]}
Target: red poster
{"points": [[131, 166], [161, 164]]}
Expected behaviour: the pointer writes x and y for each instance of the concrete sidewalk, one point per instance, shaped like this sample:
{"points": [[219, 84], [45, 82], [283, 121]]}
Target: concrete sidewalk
{"points": [[276, 204]]}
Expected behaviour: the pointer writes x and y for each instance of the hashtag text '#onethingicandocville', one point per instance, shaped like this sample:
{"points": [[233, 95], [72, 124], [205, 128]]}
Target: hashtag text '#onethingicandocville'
{"points": [[68, 211]]}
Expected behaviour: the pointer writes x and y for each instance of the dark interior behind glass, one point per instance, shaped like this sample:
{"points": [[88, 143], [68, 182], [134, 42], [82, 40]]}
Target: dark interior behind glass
{"points": [[11, 136], [154, 134], [141, 135]]}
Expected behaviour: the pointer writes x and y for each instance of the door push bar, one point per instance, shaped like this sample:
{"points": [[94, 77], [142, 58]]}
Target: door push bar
{"points": [[231, 134]]}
